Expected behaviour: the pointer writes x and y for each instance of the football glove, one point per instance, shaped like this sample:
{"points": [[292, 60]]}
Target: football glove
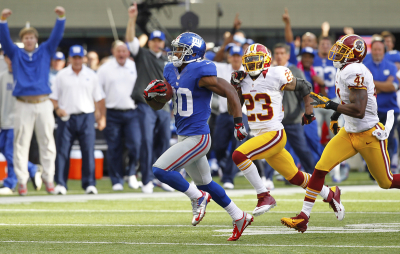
{"points": [[322, 102], [307, 119], [334, 126], [240, 129], [155, 88], [236, 78]]}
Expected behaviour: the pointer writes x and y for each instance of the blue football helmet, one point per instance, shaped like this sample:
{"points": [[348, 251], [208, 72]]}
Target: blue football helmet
{"points": [[188, 43]]}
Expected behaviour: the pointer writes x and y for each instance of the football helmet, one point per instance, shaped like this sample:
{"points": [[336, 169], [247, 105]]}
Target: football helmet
{"points": [[256, 59], [348, 49], [187, 44]]}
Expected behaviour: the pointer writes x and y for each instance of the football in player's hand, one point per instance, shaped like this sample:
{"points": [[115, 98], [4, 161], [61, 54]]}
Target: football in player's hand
{"points": [[168, 94]]}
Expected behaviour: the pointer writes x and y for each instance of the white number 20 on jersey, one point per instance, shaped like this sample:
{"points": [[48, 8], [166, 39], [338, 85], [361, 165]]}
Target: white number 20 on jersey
{"points": [[183, 102]]}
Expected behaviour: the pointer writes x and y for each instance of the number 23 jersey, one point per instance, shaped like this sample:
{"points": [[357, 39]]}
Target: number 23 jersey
{"points": [[263, 99], [191, 103], [357, 76]]}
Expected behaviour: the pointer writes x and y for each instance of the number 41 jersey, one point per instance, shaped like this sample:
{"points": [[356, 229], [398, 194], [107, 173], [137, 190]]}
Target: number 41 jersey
{"points": [[263, 99], [191, 103], [357, 76]]}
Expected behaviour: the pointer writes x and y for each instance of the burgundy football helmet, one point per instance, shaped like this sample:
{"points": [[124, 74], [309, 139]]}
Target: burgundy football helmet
{"points": [[256, 59], [348, 49]]}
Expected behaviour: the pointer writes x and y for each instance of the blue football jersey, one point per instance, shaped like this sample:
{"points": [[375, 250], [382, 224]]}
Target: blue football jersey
{"points": [[325, 69], [191, 103]]}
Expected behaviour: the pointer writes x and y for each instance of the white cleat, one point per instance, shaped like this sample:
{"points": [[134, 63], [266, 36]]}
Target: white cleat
{"points": [[240, 225], [265, 203], [117, 187], [336, 204], [60, 190], [268, 183], [133, 182], [91, 190], [162, 185], [6, 191], [228, 186], [37, 179], [166, 187], [148, 188], [199, 206]]}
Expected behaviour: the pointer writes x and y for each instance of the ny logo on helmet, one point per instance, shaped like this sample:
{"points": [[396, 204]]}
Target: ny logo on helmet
{"points": [[196, 42]]}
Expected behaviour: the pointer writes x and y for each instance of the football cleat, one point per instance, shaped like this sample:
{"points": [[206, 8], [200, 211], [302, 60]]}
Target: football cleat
{"points": [[265, 203], [299, 222], [37, 179], [335, 202], [268, 183], [91, 190], [199, 206], [60, 190], [240, 225], [6, 191], [49, 187], [22, 189]]}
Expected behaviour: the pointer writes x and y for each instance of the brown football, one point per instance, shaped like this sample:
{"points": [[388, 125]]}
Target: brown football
{"points": [[168, 96]]}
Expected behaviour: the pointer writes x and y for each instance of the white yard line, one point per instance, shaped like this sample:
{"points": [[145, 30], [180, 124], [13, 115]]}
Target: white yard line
{"points": [[209, 244], [154, 211], [109, 225], [163, 195]]}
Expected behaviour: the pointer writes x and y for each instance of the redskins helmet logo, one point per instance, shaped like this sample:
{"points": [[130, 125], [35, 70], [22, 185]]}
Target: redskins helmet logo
{"points": [[359, 45]]}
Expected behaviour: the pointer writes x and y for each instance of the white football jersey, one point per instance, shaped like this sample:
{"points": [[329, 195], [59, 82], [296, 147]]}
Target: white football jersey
{"points": [[357, 76], [263, 99]]}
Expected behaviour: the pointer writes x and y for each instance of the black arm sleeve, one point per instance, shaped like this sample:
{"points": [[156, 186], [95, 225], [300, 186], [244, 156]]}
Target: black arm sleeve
{"points": [[335, 116], [303, 87]]}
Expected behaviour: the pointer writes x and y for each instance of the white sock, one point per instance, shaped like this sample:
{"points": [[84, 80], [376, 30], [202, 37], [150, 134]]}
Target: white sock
{"points": [[254, 178], [307, 206], [193, 192], [324, 192], [234, 211]]}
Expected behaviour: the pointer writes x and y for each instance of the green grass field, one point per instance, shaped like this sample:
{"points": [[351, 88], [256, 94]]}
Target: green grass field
{"points": [[162, 223], [104, 185]]}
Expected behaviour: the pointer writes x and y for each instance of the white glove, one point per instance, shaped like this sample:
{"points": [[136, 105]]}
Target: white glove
{"points": [[384, 134]]}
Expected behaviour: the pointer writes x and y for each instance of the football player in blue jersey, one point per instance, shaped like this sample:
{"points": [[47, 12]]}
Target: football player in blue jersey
{"points": [[193, 80]]}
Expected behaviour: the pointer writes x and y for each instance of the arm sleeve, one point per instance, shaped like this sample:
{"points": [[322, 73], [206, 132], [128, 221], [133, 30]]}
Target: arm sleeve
{"points": [[6, 43], [208, 69], [97, 91], [134, 46], [354, 81], [285, 77], [292, 59], [55, 36]]}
